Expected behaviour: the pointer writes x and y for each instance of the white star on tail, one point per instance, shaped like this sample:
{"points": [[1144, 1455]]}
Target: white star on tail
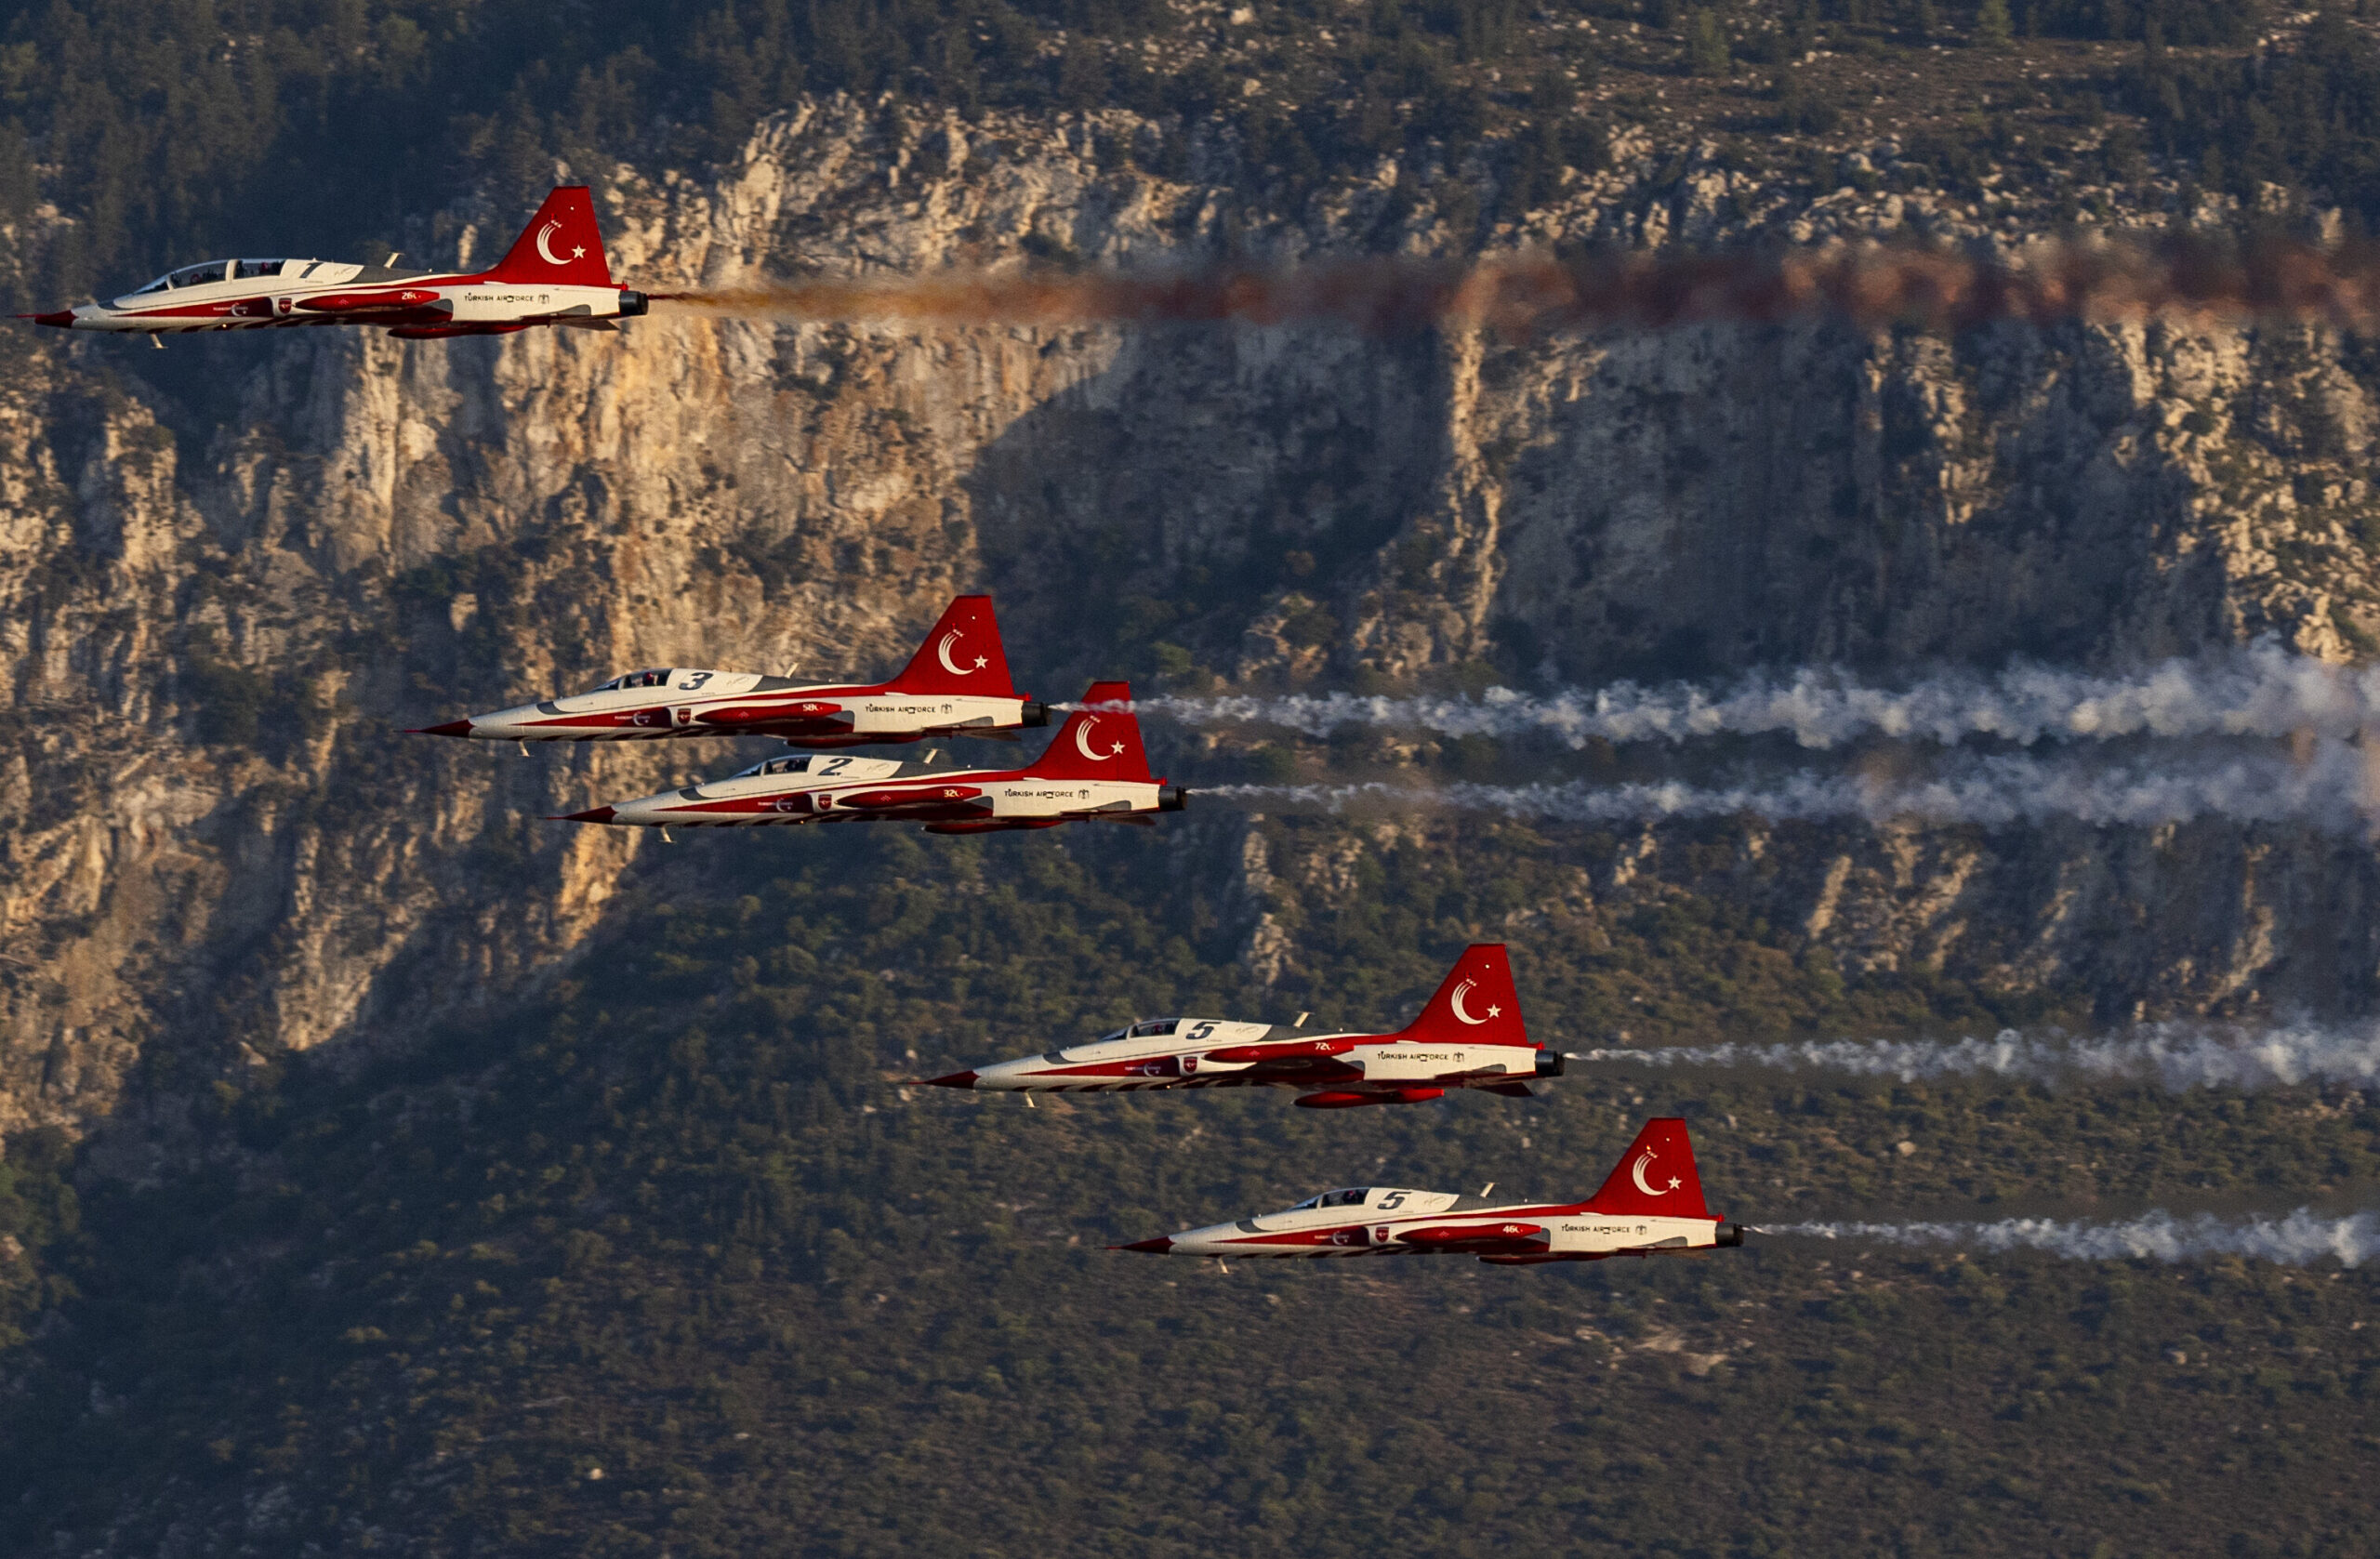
{"points": [[1675, 1183]]}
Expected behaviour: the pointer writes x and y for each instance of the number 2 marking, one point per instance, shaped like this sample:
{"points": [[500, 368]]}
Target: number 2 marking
{"points": [[834, 766]]}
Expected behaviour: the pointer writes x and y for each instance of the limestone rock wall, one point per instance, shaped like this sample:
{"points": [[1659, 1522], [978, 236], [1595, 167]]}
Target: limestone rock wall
{"points": [[224, 590]]}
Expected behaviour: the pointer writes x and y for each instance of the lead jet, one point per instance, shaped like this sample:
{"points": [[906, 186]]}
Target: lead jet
{"points": [[956, 685], [1094, 770], [554, 274], [1650, 1206], [1470, 1035]]}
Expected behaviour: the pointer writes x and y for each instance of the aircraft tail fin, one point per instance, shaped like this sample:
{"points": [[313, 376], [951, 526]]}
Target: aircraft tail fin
{"points": [[961, 653], [1099, 740], [1655, 1177], [561, 245], [1476, 1003]]}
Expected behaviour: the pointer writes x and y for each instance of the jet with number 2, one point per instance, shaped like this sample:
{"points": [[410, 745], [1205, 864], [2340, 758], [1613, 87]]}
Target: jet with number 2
{"points": [[1470, 1035], [956, 685], [1095, 771], [1650, 1206]]}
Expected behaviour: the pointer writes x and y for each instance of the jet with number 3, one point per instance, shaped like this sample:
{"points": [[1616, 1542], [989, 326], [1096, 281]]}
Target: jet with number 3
{"points": [[1470, 1035], [956, 685], [1095, 771], [1650, 1206]]}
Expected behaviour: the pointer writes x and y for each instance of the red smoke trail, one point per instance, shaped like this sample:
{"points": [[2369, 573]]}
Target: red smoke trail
{"points": [[2186, 280]]}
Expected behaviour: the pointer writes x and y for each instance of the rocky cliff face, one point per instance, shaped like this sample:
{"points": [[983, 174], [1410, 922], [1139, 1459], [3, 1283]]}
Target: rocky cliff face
{"points": [[224, 590]]}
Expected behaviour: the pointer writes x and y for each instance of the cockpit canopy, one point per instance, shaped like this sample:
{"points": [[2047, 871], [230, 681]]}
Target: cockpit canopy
{"points": [[775, 766], [216, 271], [1152, 1028], [1351, 1197], [659, 678]]}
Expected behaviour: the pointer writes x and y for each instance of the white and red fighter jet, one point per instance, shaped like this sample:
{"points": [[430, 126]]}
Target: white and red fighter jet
{"points": [[956, 685], [1470, 1035], [1096, 770], [1651, 1206], [554, 274]]}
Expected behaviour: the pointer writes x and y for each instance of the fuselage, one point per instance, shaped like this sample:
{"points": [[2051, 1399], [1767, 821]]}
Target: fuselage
{"points": [[682, 701], [279, 293], [1389, 1221], [820, 788], [1350, 1067]]}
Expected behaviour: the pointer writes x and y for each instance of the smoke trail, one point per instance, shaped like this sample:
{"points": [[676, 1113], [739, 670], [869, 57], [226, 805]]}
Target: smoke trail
{"points": [[2260, 691], [2178, 1056], [2300, 1239], [2182, 278], [2329, 791]]}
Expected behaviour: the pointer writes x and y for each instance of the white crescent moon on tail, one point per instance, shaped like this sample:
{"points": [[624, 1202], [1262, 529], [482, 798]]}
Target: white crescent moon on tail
{"points": [[1082, 742], [943, 649], [1455, 1001], [1642, 1159], [543, 233]]}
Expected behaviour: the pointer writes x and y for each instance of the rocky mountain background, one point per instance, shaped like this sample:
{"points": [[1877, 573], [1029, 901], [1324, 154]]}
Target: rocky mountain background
{"points": [[235, 570]]}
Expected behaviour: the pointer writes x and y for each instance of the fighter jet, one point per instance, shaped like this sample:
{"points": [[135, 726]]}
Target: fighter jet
{"points": [[1651, 1206], [1470, 1035], [1094, 770], [956, 685], [554, 274]]}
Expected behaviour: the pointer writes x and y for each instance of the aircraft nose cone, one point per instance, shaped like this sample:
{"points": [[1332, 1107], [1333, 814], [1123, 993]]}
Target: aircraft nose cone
{"points": [[595, 815], [1157, 1247], [63, 319], [955, 1079], [452, 728]]}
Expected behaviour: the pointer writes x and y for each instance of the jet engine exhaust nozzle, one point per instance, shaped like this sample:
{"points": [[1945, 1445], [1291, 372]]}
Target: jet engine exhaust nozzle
{"points": [[1035, 713], [633, 304], [1551, 1063], [1728, 1237], [1172, 798]]}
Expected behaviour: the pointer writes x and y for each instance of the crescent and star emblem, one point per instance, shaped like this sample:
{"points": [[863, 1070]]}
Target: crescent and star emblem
{"points": [[1082, 742], [1461, 1016], [943, 649], [547, 254], [1638, 1172]]}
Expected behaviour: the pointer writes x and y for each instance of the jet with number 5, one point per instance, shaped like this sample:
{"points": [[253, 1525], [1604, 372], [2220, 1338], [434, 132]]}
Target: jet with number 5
{"points": [[1094, 770], [554, 274], [956, 685], [1650, 1206], [1470, 1035]]}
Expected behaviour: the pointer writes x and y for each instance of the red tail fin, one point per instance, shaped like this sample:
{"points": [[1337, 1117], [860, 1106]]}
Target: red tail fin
{"points": [[1476, 1004], [561, 245], [1097, 743], [961, 653], [1655, 1177]]}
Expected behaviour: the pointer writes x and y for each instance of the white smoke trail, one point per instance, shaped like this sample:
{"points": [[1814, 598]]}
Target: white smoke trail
{"points": [[2300, 1239], [2177, 1056], [2263, 690], [2331, 790]]}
